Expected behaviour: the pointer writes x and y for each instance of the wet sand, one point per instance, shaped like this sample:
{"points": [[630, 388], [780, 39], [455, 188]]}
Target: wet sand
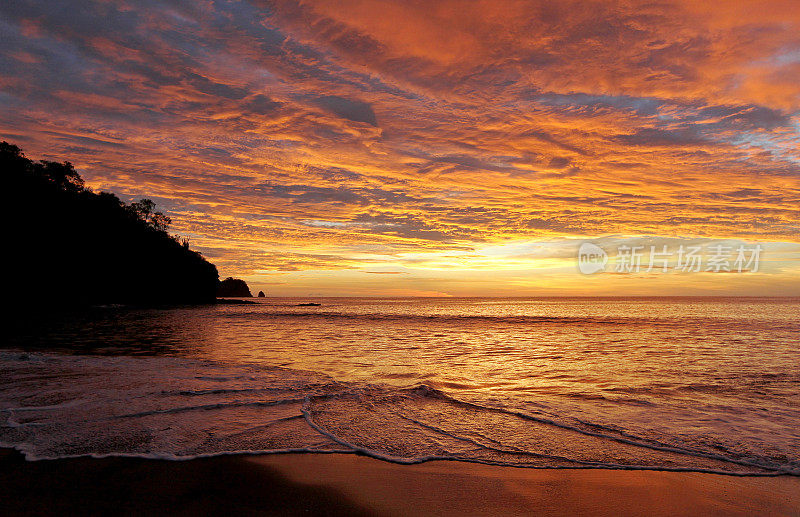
{"points": [[337, 484]]}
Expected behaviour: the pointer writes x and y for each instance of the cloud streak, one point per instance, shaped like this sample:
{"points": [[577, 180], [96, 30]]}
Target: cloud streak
{"points": [[307, 135]]}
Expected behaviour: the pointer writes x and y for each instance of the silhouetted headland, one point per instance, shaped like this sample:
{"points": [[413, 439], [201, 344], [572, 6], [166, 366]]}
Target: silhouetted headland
{"points": [[233, 288], [76, 247]]}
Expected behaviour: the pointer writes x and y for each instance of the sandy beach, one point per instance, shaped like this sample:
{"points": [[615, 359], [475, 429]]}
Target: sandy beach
{"points": [[340, 484]]}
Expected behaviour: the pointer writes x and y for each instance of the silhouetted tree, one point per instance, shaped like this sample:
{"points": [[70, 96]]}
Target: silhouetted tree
{"points": [[160, 221], [142, 208], [233, 288], [63, 175], [81, 247]]}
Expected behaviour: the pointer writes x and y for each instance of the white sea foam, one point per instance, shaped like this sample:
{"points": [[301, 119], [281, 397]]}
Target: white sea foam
{"points": [[59, 406]]}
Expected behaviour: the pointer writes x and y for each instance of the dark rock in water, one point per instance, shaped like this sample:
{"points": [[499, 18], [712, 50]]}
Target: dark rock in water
{"points": [[309, 304], [227, 301], [261, 294], [233, 288]]}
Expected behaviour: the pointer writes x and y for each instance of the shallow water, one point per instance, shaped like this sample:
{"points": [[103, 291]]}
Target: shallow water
{"points": [[697, 384]]}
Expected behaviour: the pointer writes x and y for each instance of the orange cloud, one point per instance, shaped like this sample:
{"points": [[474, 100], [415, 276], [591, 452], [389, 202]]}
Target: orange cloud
{"points": [[336, 136]]}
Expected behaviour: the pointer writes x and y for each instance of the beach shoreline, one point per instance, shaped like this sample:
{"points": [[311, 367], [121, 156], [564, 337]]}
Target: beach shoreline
{"points": [[349, 484]]}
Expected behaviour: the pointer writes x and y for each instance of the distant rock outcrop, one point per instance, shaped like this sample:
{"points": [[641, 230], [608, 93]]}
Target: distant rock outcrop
{"points": [[261, 294], [233, 288]]}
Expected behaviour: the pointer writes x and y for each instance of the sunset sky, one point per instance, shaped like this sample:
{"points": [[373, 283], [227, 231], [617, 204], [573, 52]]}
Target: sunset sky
{"points": [[427, 147]]}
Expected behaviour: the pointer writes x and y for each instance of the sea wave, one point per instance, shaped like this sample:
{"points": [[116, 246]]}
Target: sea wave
{"points": [[459, 319], [57, 406]]}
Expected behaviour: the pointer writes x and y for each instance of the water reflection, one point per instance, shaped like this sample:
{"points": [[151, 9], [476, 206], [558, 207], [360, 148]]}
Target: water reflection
{"points": [[724, 371]]}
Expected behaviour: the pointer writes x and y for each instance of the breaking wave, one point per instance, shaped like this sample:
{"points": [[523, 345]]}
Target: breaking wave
{"points": [[57, 406]]}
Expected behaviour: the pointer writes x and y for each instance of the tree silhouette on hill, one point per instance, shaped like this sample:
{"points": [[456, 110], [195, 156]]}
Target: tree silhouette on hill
{"points": [[74, 246], [233, 287]]}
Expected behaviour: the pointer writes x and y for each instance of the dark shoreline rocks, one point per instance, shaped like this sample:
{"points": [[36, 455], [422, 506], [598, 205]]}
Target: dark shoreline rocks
{"points": [[229, 301]]}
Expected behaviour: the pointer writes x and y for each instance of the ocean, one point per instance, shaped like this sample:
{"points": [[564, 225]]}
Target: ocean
{"points": [[688, 384]]}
